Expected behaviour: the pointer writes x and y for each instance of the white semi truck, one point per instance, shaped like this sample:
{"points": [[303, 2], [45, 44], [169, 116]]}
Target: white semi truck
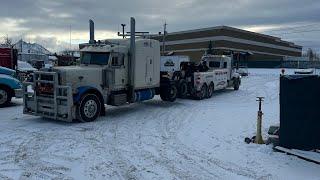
{"points": [[113, 72]]}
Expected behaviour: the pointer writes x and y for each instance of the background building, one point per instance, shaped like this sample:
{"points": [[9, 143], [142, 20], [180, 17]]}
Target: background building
{"points": [[32, 53], [251, 49]]}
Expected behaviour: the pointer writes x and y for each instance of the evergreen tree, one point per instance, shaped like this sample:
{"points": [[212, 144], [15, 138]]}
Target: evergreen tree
{"points": [[210, 48]]}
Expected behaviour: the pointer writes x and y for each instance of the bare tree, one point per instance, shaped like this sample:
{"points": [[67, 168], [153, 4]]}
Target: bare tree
{"points": [[7, 41], [310, 54]]}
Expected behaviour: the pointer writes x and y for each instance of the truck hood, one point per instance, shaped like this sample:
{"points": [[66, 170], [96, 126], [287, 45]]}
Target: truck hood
{"points": [[7, 71], [10, 81], [79, 75]]}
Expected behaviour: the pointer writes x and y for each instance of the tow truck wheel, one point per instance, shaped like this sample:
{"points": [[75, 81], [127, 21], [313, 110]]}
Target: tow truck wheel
{"points": [[5, 96], [210, 91], [203, 92], [172, 94], [89, 108], [182, 88], [236, 84], [169, 93]]}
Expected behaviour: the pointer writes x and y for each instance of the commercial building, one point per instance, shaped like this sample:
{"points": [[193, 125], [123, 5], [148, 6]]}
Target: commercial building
{"points": [[250, 48]]}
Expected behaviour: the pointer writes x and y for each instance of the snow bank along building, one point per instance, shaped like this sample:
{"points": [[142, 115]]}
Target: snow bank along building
{"points": [[250, 48]]}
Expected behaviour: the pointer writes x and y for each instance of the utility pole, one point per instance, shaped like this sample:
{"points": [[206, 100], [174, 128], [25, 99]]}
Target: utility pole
{"points": [[70, 39], [123, 25], [164, 38]]}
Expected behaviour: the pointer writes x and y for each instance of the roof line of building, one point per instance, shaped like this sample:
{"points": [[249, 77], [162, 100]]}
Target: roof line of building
{"points": [[234, 29], [231, 39], [227, 48]]}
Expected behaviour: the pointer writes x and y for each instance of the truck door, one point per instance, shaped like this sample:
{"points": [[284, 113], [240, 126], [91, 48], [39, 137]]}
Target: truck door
{"points": [[118, 64], [149, 70]]}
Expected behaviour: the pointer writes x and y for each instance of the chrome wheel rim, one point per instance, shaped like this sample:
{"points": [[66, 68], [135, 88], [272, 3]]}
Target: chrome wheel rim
{"points": [[90, 108], [3, 96]]}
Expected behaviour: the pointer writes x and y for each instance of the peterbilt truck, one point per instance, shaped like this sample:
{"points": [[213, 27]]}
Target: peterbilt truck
{"points": [[114, 72], [214, 72]]}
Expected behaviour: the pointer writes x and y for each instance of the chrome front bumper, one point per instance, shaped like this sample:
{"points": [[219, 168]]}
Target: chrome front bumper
{"points": [[58, 106]]}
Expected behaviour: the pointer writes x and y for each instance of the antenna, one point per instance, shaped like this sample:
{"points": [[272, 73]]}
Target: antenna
{"points": [[70, 38], [164, 37], [123, 26]]}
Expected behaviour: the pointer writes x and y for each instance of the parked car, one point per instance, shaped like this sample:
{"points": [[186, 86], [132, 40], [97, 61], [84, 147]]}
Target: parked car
{"points": [[25, 67], [10, 86], [243, 71]]}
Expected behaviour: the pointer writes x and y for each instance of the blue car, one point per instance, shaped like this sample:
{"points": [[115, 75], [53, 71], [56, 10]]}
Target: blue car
{"points": [[9, 86]]}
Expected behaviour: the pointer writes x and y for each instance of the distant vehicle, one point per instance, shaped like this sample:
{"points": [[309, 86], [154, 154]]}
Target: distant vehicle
{"points": [[25, 67], [243, 71], [8, 57], [9, 86], [304, 71], [38, 64]]}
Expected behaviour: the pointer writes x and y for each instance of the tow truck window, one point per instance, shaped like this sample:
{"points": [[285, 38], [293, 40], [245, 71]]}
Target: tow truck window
{"points": [[225, 65], [94, 58], [214, 64]]}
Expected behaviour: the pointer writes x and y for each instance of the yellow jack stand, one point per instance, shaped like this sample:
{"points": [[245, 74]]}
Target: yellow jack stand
{"points": [[258, 139]]}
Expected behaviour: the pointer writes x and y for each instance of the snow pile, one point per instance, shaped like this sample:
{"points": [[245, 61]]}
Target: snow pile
{"points": [[187, 139]]}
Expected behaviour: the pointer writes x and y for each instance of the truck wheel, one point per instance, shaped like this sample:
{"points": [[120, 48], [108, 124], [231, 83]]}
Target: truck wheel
{"points": [[163, 96], [210, 91], [236, 84], [89, 108], [5, 96], [172, 93], [203, 92], [182, 88], [169, 94]]}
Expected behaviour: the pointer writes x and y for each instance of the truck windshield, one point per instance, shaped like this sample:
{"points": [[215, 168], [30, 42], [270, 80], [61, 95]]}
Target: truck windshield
{"points": [[94, 58]]}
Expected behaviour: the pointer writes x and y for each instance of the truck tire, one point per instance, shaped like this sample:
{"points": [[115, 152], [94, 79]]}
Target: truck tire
{"points": [[203, 92], [210, 90], [89, 108], [182, 88], [236, 84], [169, 93], [5, 96]]}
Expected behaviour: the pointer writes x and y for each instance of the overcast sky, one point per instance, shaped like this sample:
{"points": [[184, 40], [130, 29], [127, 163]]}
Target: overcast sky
{"points": [[48, 22]]}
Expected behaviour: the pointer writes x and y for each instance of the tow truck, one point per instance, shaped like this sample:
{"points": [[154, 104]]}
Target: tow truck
{"points": [[215, 72]]}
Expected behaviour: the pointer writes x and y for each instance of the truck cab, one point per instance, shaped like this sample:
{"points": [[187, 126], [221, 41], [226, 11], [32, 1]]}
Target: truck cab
{"points": [[114, 72], [10, 86], [219, 62]]}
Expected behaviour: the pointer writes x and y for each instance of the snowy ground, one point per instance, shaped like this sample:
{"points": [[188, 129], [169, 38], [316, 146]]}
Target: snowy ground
{"points": [[186, 139]]}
